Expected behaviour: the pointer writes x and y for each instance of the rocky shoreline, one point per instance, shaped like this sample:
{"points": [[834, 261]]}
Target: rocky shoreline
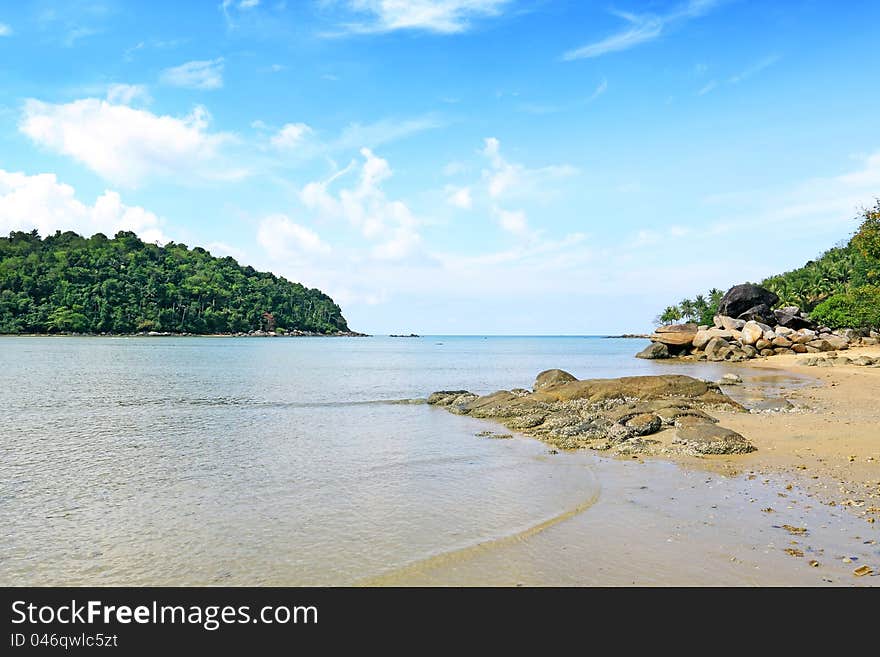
{"points": [[747, 327], [650, 415]]}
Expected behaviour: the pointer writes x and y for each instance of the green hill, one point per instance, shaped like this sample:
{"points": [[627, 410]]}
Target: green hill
{"points": [[69, 283], [840, 288]]}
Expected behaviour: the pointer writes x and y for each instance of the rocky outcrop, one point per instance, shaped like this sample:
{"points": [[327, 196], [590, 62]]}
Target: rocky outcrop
{"points": [[654, 350], [631, 415], [747, 301], [757, 332], [549, 378], [676, 335]]}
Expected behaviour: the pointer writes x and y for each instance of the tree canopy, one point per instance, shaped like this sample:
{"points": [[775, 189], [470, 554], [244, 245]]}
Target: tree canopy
{"points": [[69, 283]]}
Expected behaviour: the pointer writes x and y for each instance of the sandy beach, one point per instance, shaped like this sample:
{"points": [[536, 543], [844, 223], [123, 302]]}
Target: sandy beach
{"points": [[799, 511]]}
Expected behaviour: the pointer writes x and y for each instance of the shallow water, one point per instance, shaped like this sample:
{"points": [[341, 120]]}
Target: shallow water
{"points": [[273, 461]]}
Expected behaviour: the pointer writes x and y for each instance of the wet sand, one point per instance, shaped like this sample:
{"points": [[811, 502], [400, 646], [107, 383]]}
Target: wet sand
{"points": [[799, 511]]}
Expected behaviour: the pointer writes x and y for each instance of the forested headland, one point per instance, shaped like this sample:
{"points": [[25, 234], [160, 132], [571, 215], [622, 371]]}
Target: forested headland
{"points": [[67, 283]]}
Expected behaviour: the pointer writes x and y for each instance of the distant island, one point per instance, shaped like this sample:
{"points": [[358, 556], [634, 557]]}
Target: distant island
{"points": [[67, 283], [397, 335]]}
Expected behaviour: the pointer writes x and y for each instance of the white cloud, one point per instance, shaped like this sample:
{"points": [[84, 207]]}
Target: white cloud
{"points": [[513, 221], [248, 4], [440, 16], [200, 74], [507, 179], [126, 145], [41, 202], [459, 197], [126, 94], [5, 30], [283, 239], [387, 224], [290, 135], [643, 28]]}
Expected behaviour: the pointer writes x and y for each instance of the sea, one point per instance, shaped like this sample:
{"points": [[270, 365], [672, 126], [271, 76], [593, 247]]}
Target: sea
{"points": [[276, 461]]}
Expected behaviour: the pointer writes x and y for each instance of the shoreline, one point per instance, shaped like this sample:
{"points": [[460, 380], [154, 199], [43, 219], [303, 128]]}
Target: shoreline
{"points": [[800, 510]]}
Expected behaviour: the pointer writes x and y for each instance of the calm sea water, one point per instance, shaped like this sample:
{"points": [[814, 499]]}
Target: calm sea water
{"points": [[271, 461]]}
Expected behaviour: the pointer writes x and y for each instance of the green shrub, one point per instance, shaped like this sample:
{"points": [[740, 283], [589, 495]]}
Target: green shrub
{"points": [[858, 308]]}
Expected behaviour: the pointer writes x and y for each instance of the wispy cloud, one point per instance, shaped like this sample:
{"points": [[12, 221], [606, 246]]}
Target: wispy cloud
{"points": [[439, 16], [5, 30], [708, 87], [642, 29], [549, 108], [742, 76], [754, 69], [601, 89], [206, 75]]}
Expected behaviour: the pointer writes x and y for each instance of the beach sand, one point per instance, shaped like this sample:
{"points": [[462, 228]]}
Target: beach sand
{"points": [[799, 511]]}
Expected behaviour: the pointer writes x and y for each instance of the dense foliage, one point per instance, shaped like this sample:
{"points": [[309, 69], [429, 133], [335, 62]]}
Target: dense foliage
{"points": [[839, 288], [69, 283]]}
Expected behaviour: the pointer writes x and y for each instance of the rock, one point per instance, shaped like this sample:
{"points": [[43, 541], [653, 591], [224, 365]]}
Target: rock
{"points": [[820, 344], [745, 298], [549, 378], [784, 332], [841, 360], [675, 334], [799, 348], [702, 338], [654, 350], [730, 323], [634, 387], [760, 313], [770, 336], [762, 344], [863, 361], [809, 362], [643, 424], [717, 349], [870, 341], [781, 341], [704, 438], [730, 379], [749, 351], [751, 333], [790, 317], [811, 349], [782, 351], [766, 352], [837, 342]]}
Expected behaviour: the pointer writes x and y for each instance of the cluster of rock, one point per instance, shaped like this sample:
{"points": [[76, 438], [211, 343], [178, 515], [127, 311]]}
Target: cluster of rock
{"points": [[631, 415], [748, 327], [831, 359]]}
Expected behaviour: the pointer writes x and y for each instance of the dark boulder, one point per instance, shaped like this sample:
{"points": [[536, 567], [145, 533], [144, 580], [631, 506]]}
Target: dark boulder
{"points": [[654, 350], [760, 313], [791, 318], [747, 298]]}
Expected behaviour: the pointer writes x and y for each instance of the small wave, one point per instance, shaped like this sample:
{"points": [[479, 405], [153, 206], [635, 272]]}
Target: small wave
{"points": [[404, 574]]}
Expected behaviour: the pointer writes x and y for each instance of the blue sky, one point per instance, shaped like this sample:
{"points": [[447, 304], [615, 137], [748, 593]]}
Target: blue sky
{"points": [[452, 166]]}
